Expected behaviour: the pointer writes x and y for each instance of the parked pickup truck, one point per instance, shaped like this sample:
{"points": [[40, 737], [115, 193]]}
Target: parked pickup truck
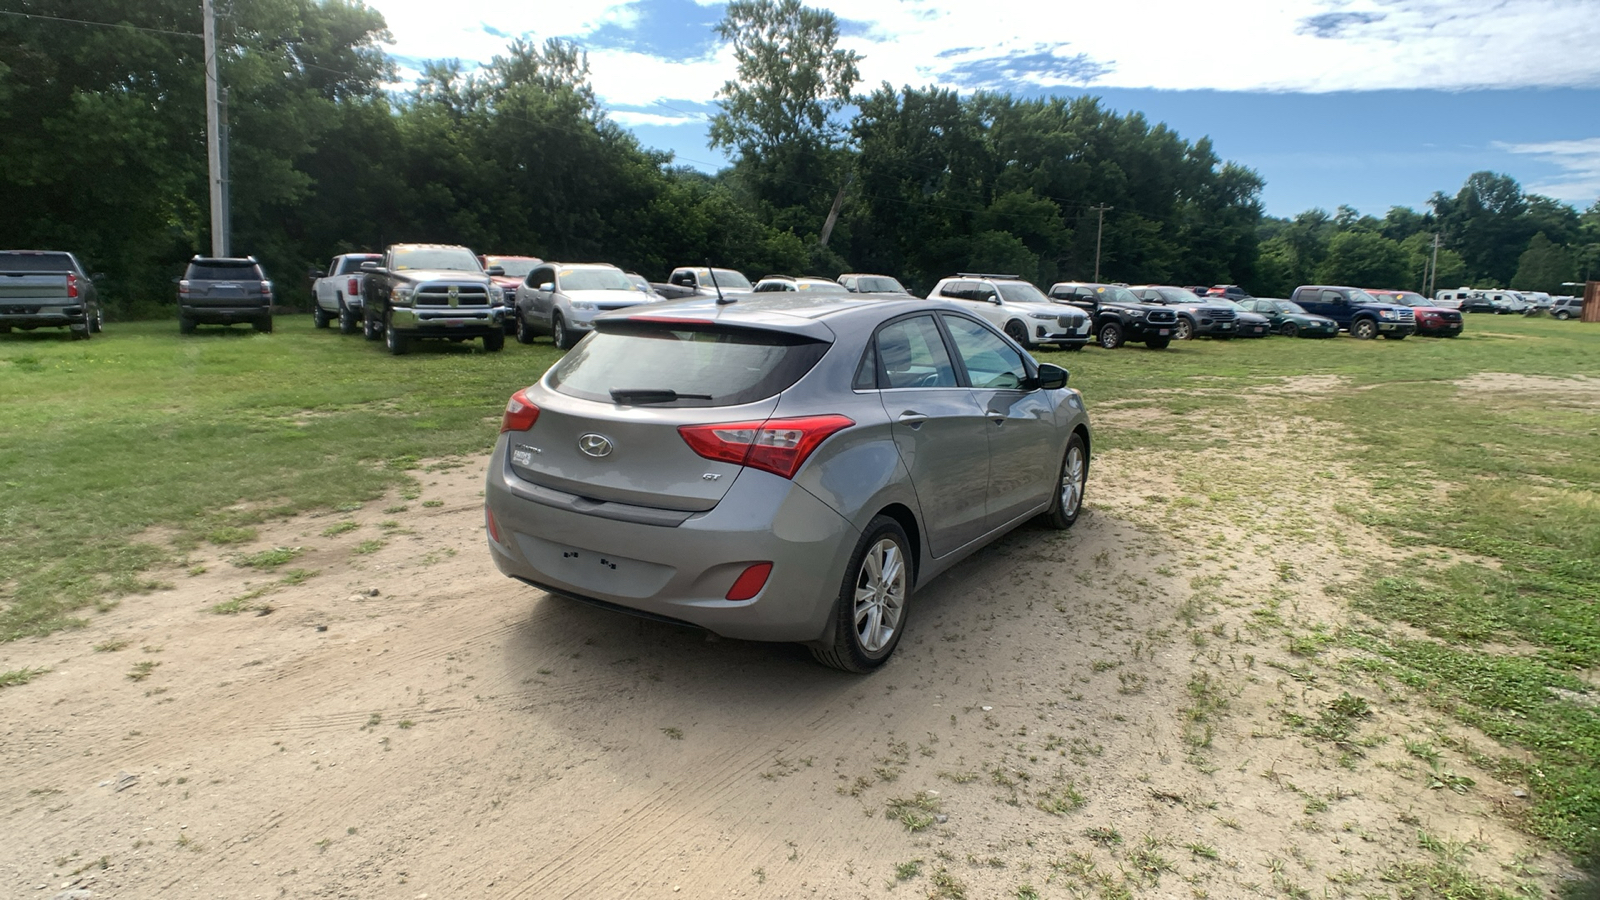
{"points": [[433, 291], [1357, 311], [1119, 316], [47, 289], [338, 292], [697, 281]]}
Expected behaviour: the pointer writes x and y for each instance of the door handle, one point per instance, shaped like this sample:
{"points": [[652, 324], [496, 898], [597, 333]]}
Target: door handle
{"points": [[999, 418], [912, 418]]}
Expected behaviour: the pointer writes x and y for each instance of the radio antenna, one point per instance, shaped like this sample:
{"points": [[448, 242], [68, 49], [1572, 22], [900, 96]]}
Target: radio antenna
{"points": [[713, 273]]}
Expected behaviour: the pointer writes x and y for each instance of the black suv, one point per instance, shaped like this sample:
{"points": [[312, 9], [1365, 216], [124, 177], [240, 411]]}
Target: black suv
{"points": [[223, 291], [1118, 314]]}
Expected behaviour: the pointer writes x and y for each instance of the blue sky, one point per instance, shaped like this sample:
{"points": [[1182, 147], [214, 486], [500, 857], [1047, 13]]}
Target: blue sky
{"points": [[1371, 103]]}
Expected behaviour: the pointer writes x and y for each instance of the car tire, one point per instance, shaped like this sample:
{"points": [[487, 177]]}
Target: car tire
{"points": [[185, 325], [347, 320], [263, 325], [559, 333], [98, 323], [877, 583], [1017, 332], [371, 328], [394, 341], [524, 333], [319, 316], [1069, 490], [1563, 315], [80, 332], [1110, 335], [1363, 329], [1289, 329], [494, 341], [1184, 330], [1158, 343]]}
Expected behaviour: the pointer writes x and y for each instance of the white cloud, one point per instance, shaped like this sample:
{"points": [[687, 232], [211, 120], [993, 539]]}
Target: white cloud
{"points": [[632, 118], [1241, 45], [1579, 161]]}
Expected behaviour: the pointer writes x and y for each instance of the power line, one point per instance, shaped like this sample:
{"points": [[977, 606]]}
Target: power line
{"points": [[124, 25]]}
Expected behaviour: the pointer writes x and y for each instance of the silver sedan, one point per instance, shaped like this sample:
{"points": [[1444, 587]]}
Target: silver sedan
{"points": [[780, 468]]}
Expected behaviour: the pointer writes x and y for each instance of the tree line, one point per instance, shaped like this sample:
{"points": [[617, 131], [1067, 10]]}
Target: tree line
{"points": [[102, 152]]}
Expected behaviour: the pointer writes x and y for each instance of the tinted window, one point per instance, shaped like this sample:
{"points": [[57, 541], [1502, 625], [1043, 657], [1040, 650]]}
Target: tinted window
{"points": [[961, 290], [911, 353], [879, 285], [729, 365], [1331, 296], [36, 262], [352, 264], [537, 277], [222, 271], [1020, 292], [990, 361], [450, 259]]}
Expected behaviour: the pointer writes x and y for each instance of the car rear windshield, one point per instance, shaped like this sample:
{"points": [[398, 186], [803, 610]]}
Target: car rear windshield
{"points": [[36, 262], [351, 265], [704, 365], [876, 285], [515, 266], [217, 270], [729, 280]]}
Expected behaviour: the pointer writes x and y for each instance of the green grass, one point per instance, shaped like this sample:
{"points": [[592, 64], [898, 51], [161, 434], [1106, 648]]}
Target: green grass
{"points": [[19, 676], [205, 437]]}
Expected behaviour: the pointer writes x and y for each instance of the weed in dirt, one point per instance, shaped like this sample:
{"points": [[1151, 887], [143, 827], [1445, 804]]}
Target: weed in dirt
{"points": [[404, 724], [432, 504], [673, 732], [1105, 836], [229, 535], [19, 676], [1060, 800], [298, 576], [243, 602], [366, 547], [269, 559], [908, 870], [917, 812], [339, 528], [946, 886], [142, 669], [1204, 851]]}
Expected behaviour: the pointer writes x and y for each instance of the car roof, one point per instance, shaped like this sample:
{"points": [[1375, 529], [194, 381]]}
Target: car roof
{"points": [[814, 315], [224, 260], [589, 265]]}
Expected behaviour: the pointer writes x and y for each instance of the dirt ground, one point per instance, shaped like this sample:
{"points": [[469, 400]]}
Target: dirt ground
{"points": [[1106, 712]]}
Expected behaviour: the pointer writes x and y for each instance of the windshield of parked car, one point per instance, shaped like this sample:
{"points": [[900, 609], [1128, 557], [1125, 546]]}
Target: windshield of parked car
{"points": [[640, 284], [729, 365], [449, 259], [515, 266], [595, 280], [1174, 295], [1290, 307], [1110, 293], [820, 287], [728, 280], [1358, 296], [1020, 292], [879, 284]]}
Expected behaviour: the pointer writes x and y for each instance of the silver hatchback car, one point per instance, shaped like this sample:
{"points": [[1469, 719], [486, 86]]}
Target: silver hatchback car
{"points": [[784, 467]]}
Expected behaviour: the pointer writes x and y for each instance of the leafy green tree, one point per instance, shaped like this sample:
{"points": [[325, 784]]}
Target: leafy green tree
{"points": [[778, 116], [1544, 266], [1363, 259]]}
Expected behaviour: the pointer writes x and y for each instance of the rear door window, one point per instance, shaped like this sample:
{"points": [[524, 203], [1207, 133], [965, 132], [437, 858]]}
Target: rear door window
{"points": [[912, 354], [701, 364]]}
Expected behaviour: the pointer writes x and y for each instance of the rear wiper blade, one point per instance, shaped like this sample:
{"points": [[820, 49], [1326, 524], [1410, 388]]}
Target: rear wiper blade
{"points": [[652, 395]]}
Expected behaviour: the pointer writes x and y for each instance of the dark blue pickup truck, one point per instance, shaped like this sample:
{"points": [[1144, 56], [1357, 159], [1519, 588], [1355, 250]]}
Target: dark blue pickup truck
{"points": [[1357, 311]]}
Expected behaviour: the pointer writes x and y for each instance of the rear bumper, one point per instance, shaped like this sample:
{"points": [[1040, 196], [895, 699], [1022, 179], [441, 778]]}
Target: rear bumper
{"points": [[44, 314], [224, 315], [1252, 329], [1212, 328], [683, 573]]}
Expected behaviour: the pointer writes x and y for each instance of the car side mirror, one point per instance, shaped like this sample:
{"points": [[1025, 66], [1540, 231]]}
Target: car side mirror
{"points": [[547, 286], [1052, 377], [369, 266], [176, 279], [98, 276], [496, 270]]}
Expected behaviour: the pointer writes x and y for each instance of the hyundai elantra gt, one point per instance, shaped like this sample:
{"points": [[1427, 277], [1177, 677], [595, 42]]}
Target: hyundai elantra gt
{"points": [[781, 467]]}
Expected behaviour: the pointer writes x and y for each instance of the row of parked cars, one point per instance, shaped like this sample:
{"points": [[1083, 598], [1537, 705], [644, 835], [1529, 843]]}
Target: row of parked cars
{"points": [[1507, 302]]}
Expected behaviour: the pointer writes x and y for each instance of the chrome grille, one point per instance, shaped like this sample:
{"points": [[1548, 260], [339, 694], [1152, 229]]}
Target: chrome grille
{"points": [[466, 295], [1161, 317]]}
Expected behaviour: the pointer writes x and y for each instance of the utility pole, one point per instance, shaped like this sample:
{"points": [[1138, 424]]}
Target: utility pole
{"points": [[215, 172], [1433, 269], [1099, 230], [833, 213]]}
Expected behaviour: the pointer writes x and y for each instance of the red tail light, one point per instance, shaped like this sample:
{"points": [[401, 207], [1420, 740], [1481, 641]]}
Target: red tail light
{"points": [[183, 287], [779, 446], [266, 287], [72, 285], [750, 582], [488, 522], [520, 414], [353, 288]]}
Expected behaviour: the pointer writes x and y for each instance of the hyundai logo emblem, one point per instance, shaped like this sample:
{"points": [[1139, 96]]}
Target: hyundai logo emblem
{"points": [[595, 445]]}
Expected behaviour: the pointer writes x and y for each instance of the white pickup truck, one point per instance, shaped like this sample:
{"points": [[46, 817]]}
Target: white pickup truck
{"points": [[338, 292]]}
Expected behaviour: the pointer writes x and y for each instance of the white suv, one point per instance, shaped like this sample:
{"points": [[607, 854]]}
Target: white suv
{"points": [[562, 299], [803, 283], [1018, 308]]}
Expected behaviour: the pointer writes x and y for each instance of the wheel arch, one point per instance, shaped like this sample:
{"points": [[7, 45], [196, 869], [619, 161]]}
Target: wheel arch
{"points": [[907, 520]]}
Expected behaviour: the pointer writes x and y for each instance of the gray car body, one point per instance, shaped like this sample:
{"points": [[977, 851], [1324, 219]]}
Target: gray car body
{"points": [[659, 531], [36, 288], [206, 296]]}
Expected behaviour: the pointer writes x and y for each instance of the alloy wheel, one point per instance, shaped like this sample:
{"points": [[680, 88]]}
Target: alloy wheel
{"points": [[880, 595]]}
